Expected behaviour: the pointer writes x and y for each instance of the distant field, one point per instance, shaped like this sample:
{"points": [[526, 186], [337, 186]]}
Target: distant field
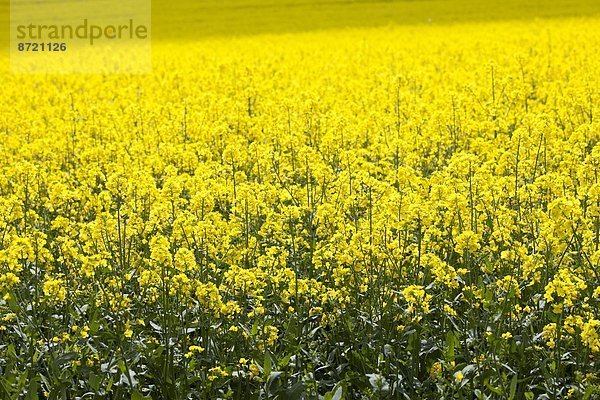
{"points": [[198, 19], [240, 17]]}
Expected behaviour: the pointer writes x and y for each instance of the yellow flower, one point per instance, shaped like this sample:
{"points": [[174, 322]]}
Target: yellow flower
{"points": [[417, 298], [436, 370], [54, 289], [467, 241], [565, 288], [218, 370], [194, 349], [590, 335], [449, 310], [85, 332], [128, 331], [254, 370], [549, 333]]}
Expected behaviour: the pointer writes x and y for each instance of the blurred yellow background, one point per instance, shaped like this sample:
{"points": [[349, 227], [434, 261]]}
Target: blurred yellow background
{"points": [[189, 20]]}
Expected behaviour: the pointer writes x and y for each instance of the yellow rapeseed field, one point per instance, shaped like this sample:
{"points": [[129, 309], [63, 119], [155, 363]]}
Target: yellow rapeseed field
{"points": [[397, 212]]}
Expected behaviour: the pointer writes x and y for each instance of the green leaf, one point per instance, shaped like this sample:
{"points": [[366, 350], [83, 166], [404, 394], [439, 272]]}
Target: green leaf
{"points": [[336, 393], [588, 393], [513, 387], [285, 361], [495, 390], [95, 381], [136, 395], [65, 358], [268, 366], [109, 385], [295, 392], [33, 389], [451, 343], [529, 395]]}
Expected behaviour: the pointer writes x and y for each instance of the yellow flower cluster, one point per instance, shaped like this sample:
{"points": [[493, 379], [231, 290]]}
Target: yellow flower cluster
{"points": [[54, 289], [417, 299], [320, 185], [565, 287]]}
